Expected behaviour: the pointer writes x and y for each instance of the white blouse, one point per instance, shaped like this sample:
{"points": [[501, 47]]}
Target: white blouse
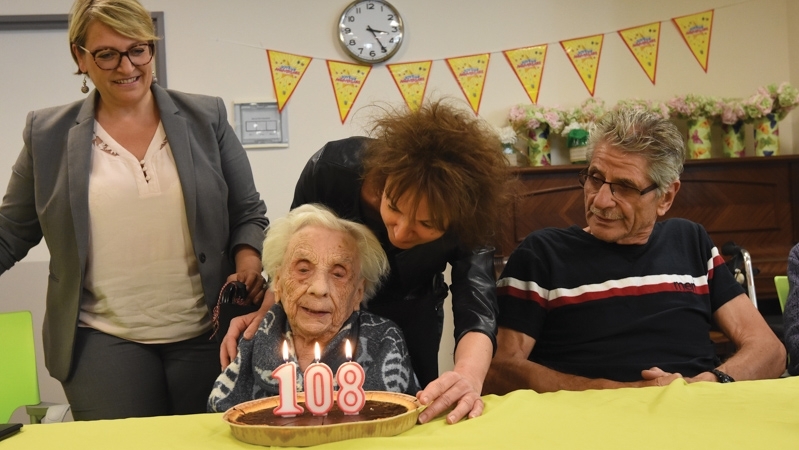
{"points": [[142, 280]]}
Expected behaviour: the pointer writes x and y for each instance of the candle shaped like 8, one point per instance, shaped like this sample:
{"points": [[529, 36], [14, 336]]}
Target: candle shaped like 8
{"points": [[350, 377], [318, 386], [286, 375]]}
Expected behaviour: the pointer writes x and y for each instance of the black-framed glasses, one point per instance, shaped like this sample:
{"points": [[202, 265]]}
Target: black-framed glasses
{"points": [[618, 190], [110, 59]]}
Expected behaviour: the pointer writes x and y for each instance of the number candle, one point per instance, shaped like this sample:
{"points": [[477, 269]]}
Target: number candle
{"points": [[318, 386], [350, 377], [286, 375]]}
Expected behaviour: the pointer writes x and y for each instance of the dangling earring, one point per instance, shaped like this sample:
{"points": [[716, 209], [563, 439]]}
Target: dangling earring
{"points": [[84, 88], [155, 78]]}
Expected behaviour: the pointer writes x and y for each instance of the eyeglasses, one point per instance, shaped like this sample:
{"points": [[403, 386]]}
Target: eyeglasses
{"points": [[618, 190], [110, 59]]}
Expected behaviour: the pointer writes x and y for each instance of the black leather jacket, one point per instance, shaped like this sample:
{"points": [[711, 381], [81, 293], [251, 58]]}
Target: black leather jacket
{"points": [[333, 177]]}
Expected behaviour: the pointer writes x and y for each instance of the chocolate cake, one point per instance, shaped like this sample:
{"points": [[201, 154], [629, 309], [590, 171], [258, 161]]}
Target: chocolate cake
{"points": [[371, 411]]}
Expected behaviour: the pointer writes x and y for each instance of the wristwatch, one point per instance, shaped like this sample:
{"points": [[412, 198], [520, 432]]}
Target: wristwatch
{"points": [[722, 377]]}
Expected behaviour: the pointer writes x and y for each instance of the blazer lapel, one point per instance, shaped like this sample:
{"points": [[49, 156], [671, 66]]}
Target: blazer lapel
{"points": [[177, 132], [79, 160]]}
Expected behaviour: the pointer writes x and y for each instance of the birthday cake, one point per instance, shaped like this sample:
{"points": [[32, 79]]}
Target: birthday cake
{"points": [[385, 414], [371, 411]]}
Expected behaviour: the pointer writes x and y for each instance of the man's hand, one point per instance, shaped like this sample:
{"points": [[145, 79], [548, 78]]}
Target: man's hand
{"points": [[657, 377]]}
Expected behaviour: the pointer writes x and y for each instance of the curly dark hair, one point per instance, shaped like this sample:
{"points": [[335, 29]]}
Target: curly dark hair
{"points": [[451, 157]]}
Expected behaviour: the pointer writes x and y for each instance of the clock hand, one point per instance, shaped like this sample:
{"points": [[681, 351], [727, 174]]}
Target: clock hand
{"points": [[382, 47], [373, 31], [369, 29]]}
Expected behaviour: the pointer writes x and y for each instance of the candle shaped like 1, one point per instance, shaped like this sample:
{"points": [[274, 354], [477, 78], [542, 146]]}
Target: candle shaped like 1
{"points": [[286, 375], [318, 386], [350, 377]]}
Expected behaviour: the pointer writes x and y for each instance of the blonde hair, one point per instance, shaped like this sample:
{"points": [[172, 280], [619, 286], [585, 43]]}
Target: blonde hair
{"points": [[373, 260], [126, 17]]}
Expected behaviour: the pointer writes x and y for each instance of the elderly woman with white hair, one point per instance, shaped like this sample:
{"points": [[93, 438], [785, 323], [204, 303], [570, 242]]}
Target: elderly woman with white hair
{"points": [[322, 268]]}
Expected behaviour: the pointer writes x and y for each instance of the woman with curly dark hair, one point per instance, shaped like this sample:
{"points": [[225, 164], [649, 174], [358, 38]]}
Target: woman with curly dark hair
{"points": [[432, 185]]}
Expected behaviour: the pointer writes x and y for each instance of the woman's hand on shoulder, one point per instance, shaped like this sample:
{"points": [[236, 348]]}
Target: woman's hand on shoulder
{"points": [[242, 326]]}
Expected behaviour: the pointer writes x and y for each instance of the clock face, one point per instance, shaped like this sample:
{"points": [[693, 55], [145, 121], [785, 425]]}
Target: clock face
{"points": [[370, 31]]}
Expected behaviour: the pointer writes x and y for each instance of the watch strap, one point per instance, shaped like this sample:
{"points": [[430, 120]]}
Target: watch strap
{"points": [[722, 377]]}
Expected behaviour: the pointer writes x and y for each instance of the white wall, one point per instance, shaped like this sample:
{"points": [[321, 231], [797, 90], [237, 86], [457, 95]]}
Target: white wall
{"points": [[218, 48]]}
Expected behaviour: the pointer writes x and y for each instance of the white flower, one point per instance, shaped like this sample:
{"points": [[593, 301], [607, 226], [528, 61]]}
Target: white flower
{"points": [[507, 135]]}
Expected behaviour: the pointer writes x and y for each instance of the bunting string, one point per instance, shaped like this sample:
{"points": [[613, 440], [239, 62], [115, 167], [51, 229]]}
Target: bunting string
{"points": [[470, 72]]}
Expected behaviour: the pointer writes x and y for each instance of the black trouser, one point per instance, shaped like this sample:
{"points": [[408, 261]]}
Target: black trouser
{"points": [[115, 378], [421, 320]]}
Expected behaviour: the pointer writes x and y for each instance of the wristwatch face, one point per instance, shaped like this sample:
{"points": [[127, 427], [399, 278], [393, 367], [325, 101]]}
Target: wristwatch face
{"points": [[722, 377], [370, 31]]}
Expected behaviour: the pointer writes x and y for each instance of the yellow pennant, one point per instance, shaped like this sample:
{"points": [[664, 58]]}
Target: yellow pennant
{"points": [[644, 43], [584, 54], [695, 30], [287, 70], [348, 79], [411, 79], [528, 64], [470, 72]]}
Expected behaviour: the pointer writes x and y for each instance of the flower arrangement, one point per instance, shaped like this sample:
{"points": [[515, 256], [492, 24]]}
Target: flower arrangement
{"points": [[506, 135], [660, 108], [693, 107], [769, 105], [583, 117], [731, 111], [525, 118], [771, 99]]}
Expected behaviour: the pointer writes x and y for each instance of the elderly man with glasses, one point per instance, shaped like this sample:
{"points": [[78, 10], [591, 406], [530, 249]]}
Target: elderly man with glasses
{"points": [[626, 301]]}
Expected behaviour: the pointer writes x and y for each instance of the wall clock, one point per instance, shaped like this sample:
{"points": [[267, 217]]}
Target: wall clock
{"points": [[370, 31]]}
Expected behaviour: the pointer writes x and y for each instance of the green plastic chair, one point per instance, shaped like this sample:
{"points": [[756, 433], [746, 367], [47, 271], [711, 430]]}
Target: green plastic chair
{"points": [[19, 384], [781, 282]]}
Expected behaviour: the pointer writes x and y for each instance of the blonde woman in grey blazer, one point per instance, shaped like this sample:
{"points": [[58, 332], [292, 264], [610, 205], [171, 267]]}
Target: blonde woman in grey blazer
{"points": [[146, 201]]}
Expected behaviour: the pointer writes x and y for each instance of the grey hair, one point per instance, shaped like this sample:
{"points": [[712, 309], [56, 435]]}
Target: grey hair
{"points": [[641, 132], [373, 260]]}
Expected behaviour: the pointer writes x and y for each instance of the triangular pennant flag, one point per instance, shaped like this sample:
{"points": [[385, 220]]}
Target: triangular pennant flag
{"points": [[348, 79], [287, 70], [470, 72], [644, 43], [695, 30], [584, 54], [411, 79], [528, 64]]}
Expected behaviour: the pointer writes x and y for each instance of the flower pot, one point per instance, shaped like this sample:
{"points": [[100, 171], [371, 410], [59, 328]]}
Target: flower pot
{"points": [[510, 155], [538, 146], [732, 139], [698, 138], [577, 142], [767, 136]]}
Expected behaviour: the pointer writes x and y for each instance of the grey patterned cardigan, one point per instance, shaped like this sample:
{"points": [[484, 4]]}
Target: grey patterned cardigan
{"points": [[380, 349]]}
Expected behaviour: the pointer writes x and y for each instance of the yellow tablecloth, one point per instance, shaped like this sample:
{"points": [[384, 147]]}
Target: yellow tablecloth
{"points": [[742, 415]]}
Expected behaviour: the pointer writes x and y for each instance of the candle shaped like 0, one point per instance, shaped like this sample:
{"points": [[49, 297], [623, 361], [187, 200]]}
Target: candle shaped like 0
{"points": [[350, 377], [318, 386], [286, 375]]}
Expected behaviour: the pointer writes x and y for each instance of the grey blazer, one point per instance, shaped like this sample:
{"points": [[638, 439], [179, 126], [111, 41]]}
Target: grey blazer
{"points": [[48, 197]]}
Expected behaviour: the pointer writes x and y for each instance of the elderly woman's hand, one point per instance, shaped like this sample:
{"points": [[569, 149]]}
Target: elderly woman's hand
{"points": [[460, 388]]}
